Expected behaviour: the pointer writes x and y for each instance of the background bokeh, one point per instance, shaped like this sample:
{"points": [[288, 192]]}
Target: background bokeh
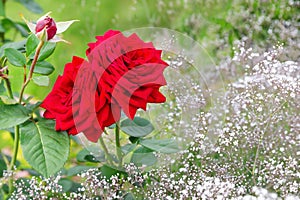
{"points": [[215, 24], [95, 17]]}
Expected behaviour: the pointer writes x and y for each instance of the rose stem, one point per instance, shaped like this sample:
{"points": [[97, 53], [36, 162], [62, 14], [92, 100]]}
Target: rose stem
{"points": [[118, 145], [17, 128], [8, 86], [37, 53], [14, 157], [107, 155]]}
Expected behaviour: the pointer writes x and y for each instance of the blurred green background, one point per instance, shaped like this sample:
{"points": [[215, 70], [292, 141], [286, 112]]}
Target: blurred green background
{"points": [[95, 18], [215, 24]]}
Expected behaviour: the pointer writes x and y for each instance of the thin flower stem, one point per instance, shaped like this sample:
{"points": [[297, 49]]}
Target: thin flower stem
{"points": [[8, 87], [118, 144], [14, 157], [36, 56], [24, 76], [107, 155]]}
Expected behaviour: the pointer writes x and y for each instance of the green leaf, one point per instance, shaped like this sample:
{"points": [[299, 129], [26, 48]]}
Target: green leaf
{"points": [[15, 57], [12, 115], [162, 146], [47, 49], [22, 28], [33, 107], [41, 80], [2, 87], [128, 148], [129, 196], [143, 156], [6, 100], [109, 171], [66, 184], [31, 5], [77, 170], [7, 24], [31, 44], [20, 46], [85, 156], [43, 68], [2, 10], [44, 149], [138, 127]]}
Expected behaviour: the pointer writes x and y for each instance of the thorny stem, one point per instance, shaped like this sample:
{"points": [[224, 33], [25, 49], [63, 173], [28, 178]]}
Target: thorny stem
{"points": [[17, 128], [24, 77], [37, 53], [118, 144], [107, 155], [8, 87]]}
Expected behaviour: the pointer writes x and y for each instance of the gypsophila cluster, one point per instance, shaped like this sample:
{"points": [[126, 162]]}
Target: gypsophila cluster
{"points": [[248, 141], [262, 193], [37, 188], [94, 184], [258, 132]]}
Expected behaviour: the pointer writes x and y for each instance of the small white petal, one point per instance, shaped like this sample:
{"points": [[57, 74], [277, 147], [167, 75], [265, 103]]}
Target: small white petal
{"points": [[63, 26], [56, 39], [30, 25]]}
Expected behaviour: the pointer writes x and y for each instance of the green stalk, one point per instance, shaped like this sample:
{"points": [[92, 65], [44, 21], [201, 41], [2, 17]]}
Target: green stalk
{"points": [[36, 56], [14, 157], [8, 87], [107, 155], [118, 145]]}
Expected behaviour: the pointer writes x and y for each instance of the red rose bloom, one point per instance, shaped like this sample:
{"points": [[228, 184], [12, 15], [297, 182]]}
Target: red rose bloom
{"points": [[58, 103], [122, 73]]}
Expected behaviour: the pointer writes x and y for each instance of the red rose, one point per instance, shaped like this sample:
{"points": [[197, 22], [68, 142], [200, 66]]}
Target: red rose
{"points": [[46, 23], [122, 73], [58, 103]]}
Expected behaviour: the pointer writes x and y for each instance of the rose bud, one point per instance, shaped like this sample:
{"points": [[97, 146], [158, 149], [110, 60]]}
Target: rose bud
{"points": [[47, 29], [48, 25]]}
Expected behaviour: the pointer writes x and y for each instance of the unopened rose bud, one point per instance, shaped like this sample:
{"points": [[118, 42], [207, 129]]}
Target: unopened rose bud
{"points": [[46, 29], [46, 24]]}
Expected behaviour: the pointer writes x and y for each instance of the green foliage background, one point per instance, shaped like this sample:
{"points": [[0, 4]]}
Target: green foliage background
{"points": [[95, 17], [216, 21]]}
